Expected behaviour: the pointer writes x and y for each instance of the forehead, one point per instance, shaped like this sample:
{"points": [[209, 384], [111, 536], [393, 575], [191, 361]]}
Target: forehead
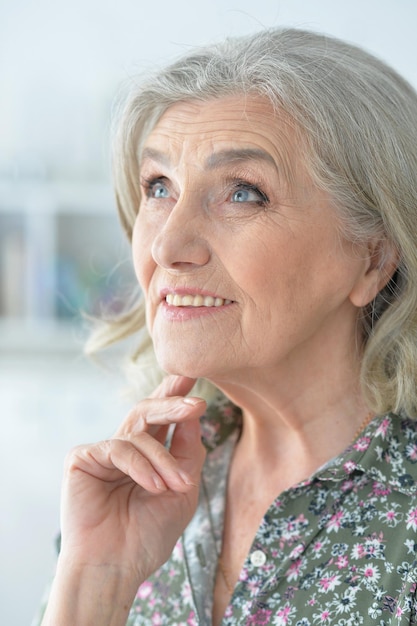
{"points": [[250, 124]]}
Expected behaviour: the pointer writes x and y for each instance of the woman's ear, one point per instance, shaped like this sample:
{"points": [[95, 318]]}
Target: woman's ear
{"points": [[382, 261]]}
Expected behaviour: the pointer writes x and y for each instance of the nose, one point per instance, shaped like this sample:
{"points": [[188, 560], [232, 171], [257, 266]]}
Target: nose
{"points": [[182, 242]]}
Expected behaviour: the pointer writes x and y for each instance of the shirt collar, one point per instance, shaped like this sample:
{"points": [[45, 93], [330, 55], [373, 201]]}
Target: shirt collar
{"points": [[386, 450]]}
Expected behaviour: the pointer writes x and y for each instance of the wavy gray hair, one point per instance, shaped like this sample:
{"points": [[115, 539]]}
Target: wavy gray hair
{"points": [[358, 121]]}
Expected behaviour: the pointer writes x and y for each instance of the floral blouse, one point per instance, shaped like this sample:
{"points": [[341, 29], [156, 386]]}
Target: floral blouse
{"points": [[336, 549]]}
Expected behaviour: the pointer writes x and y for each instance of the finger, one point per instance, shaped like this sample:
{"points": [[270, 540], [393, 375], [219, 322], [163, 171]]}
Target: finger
{"points": [[188, 450], [144, 461], [148, 464], [151, 414], [174, 386], [170, 410]]}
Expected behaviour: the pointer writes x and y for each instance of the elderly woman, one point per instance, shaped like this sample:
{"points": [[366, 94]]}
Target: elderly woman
{"points": [[268, 187]]}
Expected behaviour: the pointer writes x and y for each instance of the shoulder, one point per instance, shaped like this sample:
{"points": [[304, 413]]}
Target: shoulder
{"points": [[389, 449]]}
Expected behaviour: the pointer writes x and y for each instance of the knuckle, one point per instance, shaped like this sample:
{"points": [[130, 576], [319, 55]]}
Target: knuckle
{"points": [[73, 456]]}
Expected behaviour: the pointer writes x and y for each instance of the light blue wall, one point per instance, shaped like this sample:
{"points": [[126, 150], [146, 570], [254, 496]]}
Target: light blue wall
{"points": [[60, 60]]}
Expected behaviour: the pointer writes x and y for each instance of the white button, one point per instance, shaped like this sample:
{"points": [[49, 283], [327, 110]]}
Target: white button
{"points": [[258, 558]]}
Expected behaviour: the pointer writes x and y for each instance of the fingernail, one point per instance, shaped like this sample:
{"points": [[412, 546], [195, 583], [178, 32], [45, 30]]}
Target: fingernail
{"points": [[159, 484], [186, 479], [193, 401]]}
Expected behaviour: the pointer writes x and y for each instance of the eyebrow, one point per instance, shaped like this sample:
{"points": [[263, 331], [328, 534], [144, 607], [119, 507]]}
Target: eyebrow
{"points": [[223, 157], [155, 155], [217, 159]]}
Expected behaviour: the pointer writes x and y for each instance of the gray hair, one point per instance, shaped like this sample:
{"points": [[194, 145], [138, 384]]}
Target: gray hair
{"points": [[358, 121]]}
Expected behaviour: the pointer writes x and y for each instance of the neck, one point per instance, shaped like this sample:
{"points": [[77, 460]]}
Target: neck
{"points": [[305, 412]]}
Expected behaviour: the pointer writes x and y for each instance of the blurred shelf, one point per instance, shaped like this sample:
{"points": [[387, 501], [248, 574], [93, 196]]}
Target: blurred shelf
{"points": [[62, 251], [56, 196]]}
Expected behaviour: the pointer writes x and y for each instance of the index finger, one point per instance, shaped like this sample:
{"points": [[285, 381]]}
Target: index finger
{"points": [[164, 406], [173, 385]]}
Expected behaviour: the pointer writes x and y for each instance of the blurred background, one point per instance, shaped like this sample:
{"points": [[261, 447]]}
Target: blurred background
{"points": [[61, 249]]}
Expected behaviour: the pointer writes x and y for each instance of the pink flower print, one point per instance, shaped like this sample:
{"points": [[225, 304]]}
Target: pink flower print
{"points": [[383, 428], [253, 586], [260, 618], [347, 485], [177, 553], [412, 519], [342, 561], [391, 517], [156, 619], [284, 612], [290, 526], [317, 546], [371, 572], [297, 551], [329, 583], [191, 621], [371, 549], [283, 615], [186, 591], [349, 467], [362, 444], [144, 590], [294, 570], [335, 521], [323, 617], [358, 551], [244, 574], [380, 490]]}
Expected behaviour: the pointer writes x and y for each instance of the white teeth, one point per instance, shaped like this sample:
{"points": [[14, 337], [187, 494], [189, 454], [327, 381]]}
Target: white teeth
{"points": [[188, 300]]}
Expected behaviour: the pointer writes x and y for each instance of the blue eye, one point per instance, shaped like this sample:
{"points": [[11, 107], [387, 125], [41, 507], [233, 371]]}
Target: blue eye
{"points": [[244, 195], [158, 190], [249, 193], [155, 188]]}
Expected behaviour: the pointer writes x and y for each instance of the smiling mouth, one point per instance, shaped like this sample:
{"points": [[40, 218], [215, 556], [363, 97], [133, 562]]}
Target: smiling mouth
{"points": [[174, 299]]}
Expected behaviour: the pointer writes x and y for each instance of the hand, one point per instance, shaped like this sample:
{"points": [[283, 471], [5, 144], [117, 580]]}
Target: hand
{"points": [[127, 500]]}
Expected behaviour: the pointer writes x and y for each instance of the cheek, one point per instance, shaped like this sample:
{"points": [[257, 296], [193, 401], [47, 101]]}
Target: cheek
{"points": [[142, 258], [250, 258]]}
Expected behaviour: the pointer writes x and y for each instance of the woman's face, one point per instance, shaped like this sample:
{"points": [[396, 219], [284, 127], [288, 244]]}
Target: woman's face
{"points": [[241, 269]]}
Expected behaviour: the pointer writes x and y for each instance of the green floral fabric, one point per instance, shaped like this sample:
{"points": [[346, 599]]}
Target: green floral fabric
{"points": [[336, 549]]}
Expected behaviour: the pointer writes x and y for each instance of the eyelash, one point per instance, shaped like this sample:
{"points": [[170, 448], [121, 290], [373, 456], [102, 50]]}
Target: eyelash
{"points": [[149, 184], [242, 185]]}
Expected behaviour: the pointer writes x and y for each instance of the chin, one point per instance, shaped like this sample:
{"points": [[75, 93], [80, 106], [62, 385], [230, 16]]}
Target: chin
{"points": [[179, 367]]}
